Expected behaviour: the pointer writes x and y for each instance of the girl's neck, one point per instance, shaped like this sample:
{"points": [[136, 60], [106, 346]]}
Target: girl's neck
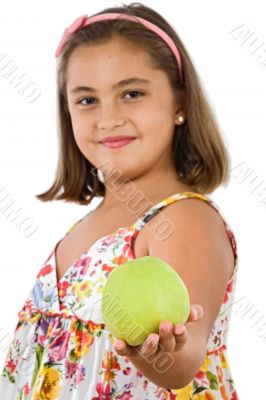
{"points": [[140, 192]]}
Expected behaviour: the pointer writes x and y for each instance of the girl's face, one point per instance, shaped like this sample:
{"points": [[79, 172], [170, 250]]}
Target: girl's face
{"points": [[145, 110]]}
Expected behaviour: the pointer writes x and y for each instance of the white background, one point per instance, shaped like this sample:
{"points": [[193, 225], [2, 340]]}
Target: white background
{"points": [[235, 82]]}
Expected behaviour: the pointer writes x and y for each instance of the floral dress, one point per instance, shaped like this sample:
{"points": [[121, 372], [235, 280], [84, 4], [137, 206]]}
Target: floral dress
{"points": [[62, 350]]}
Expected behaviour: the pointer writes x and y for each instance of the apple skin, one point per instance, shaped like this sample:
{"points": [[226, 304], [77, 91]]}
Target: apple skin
{"points": [[141, 293]]}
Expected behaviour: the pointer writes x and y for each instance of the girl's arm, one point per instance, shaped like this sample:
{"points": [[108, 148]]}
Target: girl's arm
{"points": [[200, 251]]}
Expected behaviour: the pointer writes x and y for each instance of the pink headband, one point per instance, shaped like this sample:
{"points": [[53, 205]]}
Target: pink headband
{"points": [[84, 20]]}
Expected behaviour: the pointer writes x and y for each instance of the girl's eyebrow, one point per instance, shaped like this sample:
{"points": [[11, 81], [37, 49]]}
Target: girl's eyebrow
{"points": [[124, 82]]}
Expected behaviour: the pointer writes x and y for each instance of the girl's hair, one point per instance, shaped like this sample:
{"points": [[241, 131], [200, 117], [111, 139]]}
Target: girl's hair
{"points": [[198, 151]]}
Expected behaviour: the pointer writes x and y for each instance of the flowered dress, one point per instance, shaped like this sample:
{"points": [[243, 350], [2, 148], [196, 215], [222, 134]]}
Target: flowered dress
{"points": [[62, 350]]}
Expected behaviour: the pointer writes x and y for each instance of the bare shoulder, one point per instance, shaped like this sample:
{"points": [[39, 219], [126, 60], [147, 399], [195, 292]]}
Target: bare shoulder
{"points": [[199, 249], [196, 225]]}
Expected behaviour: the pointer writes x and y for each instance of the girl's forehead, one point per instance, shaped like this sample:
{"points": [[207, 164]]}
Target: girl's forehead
{"points": [[115, 47], [112, 50], [95, 61]]}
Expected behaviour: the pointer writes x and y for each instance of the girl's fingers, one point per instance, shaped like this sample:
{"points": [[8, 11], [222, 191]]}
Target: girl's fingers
{"points": [[169, 341], [181, 336], [150, 345], [123, 349], [167, 338], [137, 352]]}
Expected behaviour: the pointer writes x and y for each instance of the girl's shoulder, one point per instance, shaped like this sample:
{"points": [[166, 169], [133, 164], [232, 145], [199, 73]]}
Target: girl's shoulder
{"points": [[190, 216]]}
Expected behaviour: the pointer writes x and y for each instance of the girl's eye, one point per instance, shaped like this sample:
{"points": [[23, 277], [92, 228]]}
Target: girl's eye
{"points": [[135, 91], [130, 92], [84, 98]]}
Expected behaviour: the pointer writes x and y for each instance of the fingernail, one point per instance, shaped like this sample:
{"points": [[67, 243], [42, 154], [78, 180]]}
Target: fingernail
{"points": [[166, 329], [151, 340], [178, 330], [199, 312], [118, 345]]}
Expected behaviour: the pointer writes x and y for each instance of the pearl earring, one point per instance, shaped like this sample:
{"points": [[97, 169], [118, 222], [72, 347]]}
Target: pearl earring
{"points": [[180, 118]]}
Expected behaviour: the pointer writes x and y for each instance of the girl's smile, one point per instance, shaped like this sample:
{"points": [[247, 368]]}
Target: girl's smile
{"points": [[114, 144]]}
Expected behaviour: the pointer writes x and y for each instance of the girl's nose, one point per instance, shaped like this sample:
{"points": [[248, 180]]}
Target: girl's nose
{"points": [[110, 118], [110, 123]]}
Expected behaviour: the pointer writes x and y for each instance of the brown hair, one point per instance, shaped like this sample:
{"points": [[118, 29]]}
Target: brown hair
{"points": [[199, 153]]}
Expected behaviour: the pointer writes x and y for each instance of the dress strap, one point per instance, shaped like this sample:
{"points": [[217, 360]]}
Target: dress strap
{"points": [[154, 210]]}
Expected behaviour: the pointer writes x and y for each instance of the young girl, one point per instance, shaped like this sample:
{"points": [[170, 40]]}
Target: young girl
{"points": [[136, 130]]}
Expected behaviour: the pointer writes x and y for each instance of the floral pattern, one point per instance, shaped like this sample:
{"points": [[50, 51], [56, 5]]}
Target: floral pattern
{"points": [[62, 350]]}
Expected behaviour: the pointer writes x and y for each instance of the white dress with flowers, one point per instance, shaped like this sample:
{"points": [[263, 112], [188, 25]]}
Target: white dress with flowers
{"points": [[62, 350]]}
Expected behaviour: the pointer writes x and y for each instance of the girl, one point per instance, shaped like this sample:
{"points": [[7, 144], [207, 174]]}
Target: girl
{"points": [[135, 130]]}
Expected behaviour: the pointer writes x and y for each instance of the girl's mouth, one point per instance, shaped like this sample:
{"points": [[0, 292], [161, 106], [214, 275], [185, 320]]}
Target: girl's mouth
{"points": [[114, 144]]}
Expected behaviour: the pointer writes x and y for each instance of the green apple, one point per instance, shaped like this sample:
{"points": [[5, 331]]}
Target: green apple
{"points": [[139, 294]]}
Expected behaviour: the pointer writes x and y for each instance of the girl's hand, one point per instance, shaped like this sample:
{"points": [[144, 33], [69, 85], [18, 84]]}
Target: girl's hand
{"points": [[171, 341]]}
